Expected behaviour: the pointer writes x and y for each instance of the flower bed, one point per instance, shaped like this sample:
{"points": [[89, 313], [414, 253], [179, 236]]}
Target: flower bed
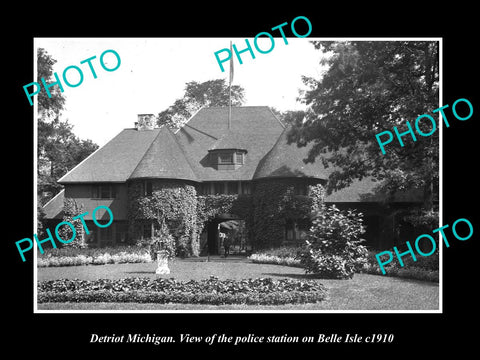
{"points": [[263, 291], [273, 259], [101, 256]]}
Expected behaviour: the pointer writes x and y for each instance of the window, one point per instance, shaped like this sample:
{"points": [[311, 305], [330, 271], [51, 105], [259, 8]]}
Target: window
{"points": [[218, 188], [203, 189], [232, 188], [147, 188], [239, 158], [301, 189], [290, 231], [103, 236], [245, 187], [147, 231], [121, 233], [225, 158], [207, 188], [104, 191]]}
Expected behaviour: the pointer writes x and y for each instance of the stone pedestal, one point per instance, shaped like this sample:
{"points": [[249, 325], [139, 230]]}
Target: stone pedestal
{"points": [[162, 263]]}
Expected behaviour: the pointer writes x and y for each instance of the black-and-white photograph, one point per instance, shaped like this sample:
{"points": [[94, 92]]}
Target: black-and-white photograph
{"points": [[284, 174]]}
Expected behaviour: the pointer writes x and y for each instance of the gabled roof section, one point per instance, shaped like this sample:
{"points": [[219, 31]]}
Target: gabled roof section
{"points": [[54, 208], [286, 160], [164, 159], [115, 161], [252, 128]]}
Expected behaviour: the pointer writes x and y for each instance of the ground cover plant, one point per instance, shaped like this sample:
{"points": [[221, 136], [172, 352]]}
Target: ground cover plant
{"points": [[262, 291], [284, 255], [69, 256]]}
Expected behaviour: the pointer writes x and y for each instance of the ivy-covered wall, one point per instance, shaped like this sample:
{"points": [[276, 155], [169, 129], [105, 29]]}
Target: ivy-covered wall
{"points": [[174, 200], [265, 211], [275, 202]]}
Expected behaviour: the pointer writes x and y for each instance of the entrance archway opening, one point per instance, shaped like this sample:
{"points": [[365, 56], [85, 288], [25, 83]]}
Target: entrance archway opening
{"points": [[231, 226]]}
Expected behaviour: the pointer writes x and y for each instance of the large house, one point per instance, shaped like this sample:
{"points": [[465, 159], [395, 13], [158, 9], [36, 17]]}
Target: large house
{"points": [[215, 169]]}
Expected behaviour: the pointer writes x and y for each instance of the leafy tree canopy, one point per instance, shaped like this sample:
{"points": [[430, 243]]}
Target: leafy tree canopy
{"points": [[197, 95], [369, 87], [59, 149]]}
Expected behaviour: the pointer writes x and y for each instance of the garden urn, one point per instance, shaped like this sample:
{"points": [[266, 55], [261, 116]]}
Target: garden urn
{"points": [[162, 263]]}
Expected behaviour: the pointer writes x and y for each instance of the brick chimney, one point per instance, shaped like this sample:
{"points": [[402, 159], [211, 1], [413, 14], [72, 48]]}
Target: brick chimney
{"points": [[145, 122]]}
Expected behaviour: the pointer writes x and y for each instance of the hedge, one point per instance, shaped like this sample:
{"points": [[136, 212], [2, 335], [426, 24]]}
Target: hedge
{"points": [[263, 291]]}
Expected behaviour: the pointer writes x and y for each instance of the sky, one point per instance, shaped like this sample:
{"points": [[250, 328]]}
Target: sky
{"points": [[153, 73]]}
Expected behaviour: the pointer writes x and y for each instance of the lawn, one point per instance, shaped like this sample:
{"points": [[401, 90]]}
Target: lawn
{"points": [[363, 292]]}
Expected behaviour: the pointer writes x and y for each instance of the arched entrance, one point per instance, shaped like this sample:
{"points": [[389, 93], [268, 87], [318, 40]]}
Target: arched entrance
{"points": [[233, 227]]}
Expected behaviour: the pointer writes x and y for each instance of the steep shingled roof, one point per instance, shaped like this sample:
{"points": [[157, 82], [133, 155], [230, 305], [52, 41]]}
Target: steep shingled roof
{"points": [[366, 191], [164, 159], [134, 154], [286, 160], [53, 209], [115, 161], [230, 140], [253, 128]]}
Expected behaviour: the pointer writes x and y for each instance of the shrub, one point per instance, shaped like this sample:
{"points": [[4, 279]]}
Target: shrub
{"points": [[333, 247], [210, 291]]}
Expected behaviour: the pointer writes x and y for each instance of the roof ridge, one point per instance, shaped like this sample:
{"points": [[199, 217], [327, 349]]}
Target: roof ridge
{"points": [[153, 143], [49, 201], [186, 122], [183, 152], [146, 151], [275, 116], [84, 160], [283, 153]]}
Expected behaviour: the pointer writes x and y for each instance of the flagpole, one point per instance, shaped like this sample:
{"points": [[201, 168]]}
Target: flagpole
{"points": [[230, 107], [230, 89]]}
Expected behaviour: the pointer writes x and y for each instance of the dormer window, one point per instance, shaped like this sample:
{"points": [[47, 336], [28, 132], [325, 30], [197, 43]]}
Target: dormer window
{"points": [[239, 157], [227, 159]]}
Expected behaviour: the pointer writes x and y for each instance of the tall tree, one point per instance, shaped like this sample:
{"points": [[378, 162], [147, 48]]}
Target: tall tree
{"points": [[369, 87], [197, 95], [59, 149], [48, 107]]}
